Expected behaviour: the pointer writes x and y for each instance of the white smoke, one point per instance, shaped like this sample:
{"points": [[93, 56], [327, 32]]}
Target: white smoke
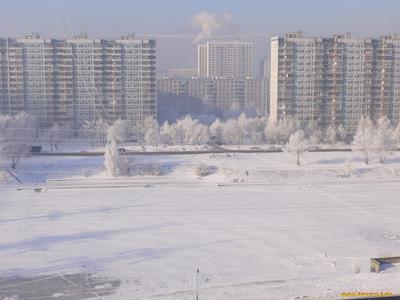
{"points": [[210, 23]]}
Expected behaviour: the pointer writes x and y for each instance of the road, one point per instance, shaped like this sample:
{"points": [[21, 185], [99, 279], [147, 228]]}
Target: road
{"points": [[186, 152]]}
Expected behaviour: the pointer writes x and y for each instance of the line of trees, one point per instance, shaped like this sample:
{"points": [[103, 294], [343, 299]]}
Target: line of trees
{"points": [[375, 139], [234, 131], [370, 139], [238, 131], [17, 134]]}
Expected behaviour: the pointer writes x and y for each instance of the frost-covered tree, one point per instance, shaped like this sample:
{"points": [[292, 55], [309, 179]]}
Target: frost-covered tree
{"points": [[255, 130], [238, 131], [177, 134], [279, 132], [181, 130], [217, 131], [384, 139], [121, 130], [187, 127], [331, 135], [151, 131], [312, 132], [315, 138], [116, 164], [242, 124], [309, 128], [200, 135], [111, 158], [342, 133], [16, 136], [232, 134], [297, 145], [364, 138], [271, 131], [189, 131], [55, 135], [288, 126], [96, 130], [166, 134], [397, 134]]}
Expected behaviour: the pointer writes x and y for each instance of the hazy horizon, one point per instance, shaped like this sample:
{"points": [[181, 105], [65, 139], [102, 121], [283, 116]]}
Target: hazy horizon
{"points": [[176, 24]]}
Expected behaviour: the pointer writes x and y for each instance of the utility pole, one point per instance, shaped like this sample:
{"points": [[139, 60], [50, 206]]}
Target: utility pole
{"points": [[197, 284]]}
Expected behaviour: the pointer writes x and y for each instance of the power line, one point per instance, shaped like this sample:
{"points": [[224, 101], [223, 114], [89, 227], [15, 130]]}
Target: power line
{"points": [[84, 61]]}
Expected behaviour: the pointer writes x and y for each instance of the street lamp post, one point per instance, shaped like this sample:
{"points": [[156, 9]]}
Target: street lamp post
{"points": [[197, 284]]}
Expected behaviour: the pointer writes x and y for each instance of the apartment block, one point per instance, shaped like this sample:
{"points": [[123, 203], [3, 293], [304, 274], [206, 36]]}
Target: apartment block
{"points": [[182, 72], [27, 77], [78, 79], [225, 59], [220, 95], [334, 80], [264, 67]]}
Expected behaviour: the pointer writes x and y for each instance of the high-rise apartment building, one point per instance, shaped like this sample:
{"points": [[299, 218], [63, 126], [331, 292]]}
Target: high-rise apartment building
{"points": [[335, 80], [78, 79], [225, 59], [264, 72], [202, 60], [264, 68], [27, 77]]}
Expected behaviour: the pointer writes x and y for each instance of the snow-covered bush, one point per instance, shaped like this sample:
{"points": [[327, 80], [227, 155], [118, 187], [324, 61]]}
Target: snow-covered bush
{"points": [[203, 170], [348, 168], [363, 139], [87, 172], [153, 169], [297, 145]]}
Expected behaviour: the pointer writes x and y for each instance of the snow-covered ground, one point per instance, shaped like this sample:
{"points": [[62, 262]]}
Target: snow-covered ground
{"points": [[258, 227]]}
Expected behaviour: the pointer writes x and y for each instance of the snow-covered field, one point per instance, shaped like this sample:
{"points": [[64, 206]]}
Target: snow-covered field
{"points": [[257, 227]]}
